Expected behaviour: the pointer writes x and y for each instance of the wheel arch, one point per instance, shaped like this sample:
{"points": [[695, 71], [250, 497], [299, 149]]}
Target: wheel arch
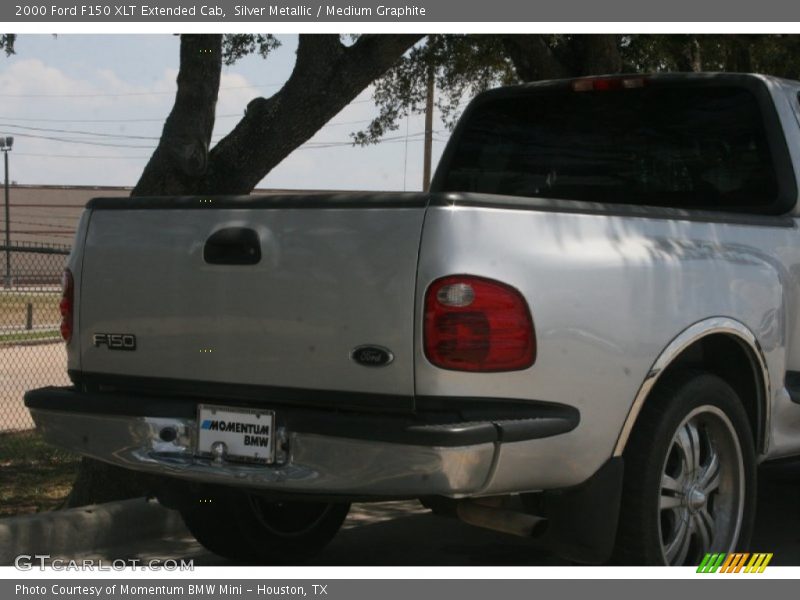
{"points": [[723, 346]]}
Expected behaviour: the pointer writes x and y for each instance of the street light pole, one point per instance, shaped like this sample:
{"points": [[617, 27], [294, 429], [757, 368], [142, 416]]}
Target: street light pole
{"points": [[7, 142]]}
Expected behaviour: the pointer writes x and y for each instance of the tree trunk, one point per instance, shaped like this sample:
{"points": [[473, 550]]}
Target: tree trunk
{"points": [[182, 153], [533, 59], [739, 58], [695, 55], [599, 54], [326, 78]]}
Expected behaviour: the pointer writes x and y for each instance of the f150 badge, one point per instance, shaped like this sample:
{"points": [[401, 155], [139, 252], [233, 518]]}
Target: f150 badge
{"points": [[115, 341]]}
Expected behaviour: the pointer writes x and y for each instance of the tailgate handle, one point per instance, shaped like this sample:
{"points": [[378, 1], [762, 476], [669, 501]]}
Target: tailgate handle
{"points": [[233, 246]]}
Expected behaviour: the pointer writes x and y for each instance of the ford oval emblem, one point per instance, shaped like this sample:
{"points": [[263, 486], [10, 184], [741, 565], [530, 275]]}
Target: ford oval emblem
{"points": [[372, 356]]}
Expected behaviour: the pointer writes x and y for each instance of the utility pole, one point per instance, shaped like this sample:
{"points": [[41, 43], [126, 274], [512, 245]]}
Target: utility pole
{"points": [[5, 146], [426, 168]]}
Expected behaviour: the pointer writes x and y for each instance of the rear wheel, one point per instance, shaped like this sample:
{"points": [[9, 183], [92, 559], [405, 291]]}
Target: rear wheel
{"points": [[247, 528], [210, 521], [289, 532], [690, 475]]}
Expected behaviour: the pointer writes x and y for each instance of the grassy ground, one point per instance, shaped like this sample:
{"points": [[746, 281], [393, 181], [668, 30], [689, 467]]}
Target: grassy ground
{"points": [[14, 308], [34, 476], [28, 336]]}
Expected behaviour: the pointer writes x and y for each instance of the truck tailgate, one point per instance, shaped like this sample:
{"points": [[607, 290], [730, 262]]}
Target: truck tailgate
{"points": [[335, 273]]}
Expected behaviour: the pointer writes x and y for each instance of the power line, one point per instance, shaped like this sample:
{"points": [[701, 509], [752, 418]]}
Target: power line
{"points": [[148, 120], [129, 136], [80, 132], [125, 94], [87, 156], [325, 144], [337, 123], [163, 118], [308, 145], [142, 120], [73, 141]]}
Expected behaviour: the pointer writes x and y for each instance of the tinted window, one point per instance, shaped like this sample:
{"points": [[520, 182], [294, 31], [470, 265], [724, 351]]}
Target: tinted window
{"points": [[685, 147]]}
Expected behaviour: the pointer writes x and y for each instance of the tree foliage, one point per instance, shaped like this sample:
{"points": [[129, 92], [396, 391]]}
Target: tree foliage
{"points": [[463, 65], [239, 45], [7, 43]]}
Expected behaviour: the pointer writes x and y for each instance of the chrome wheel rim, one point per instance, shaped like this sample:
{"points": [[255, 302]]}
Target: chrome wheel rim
{"points": [[701, 500]]}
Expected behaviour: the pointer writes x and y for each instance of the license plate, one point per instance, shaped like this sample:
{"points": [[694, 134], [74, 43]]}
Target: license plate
{"points": [[236, 434]]}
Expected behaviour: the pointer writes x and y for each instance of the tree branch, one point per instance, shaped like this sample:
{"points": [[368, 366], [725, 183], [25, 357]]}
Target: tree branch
{"points": [[327, 77]]}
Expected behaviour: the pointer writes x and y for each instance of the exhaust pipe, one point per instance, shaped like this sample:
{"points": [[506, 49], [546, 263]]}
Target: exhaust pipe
{"points": [[500, 518]]}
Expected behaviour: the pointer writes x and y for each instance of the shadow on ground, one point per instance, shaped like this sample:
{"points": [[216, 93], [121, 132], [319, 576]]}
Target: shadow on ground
{"points": [[406, 534], [778, 521]]}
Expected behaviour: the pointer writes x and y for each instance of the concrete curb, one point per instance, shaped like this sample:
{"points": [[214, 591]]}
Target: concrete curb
{"points": [[79, 530]]}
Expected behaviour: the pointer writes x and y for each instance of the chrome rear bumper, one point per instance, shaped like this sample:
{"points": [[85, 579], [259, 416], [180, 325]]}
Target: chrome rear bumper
{"points": [[313, 463], [447, 446]]}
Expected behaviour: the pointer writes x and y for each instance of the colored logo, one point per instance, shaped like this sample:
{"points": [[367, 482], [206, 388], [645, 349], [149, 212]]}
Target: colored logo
{"points": [[736, 562]]}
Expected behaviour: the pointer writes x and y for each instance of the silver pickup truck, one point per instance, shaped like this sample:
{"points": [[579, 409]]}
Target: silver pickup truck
{"points": [[586, 333]]}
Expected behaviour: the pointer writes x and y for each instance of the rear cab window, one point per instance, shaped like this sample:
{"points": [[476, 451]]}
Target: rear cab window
{"points": [[677, 145]]}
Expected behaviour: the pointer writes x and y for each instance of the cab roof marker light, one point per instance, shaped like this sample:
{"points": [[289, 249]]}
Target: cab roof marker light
{"points": [[630, 84], [582, 85], [602, 84]]}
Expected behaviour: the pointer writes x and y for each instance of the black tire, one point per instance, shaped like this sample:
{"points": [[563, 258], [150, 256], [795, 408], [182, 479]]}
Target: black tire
{"points": [[209, 519], [247, 529], [690, 474], [289, 532]]}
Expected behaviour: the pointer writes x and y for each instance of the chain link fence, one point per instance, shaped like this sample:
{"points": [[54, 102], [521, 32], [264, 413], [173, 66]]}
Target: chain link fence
{"points": [[31, 351]]}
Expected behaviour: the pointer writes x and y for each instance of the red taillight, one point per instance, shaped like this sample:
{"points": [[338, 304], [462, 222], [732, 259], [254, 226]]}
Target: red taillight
{"points": [[67, 304], [603, 84], [477, 324]]}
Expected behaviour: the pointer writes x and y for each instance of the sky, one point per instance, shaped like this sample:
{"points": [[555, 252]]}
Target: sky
{"points": [[88, 110]]}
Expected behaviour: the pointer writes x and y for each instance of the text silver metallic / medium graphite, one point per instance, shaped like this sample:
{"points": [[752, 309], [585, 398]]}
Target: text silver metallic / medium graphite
{"points": [[305, 10]]}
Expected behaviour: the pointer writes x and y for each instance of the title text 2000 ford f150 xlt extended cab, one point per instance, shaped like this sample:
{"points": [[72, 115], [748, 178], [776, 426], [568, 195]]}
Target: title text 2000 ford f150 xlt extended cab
{"points": [[587, 332]]}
